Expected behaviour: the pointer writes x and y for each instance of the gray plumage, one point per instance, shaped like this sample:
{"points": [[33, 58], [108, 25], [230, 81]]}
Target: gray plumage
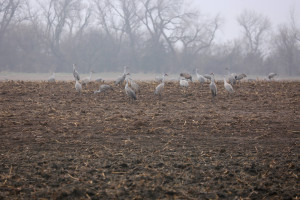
{"points": [[271, 75], [186, 76], [103, 88], [87, 79], [212, 86], [75, 73], [231, 76], [134, 85], [52, 78], [183, 82], [78, 86], [160, 87], [207, 76], [99, 80], [200, 78], [227, 86], [129, 92], [120, 80], [240, 77]]}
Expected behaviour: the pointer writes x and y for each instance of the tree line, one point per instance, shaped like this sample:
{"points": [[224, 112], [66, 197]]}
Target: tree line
{"points": [[149, 36]]}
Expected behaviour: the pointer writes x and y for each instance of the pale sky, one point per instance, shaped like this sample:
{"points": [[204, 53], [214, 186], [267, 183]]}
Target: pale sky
{"points": [[278, 11]]}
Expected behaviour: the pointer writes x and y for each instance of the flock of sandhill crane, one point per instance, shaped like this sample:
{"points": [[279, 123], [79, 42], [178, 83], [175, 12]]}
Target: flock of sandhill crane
{"points": [[183, 82]]}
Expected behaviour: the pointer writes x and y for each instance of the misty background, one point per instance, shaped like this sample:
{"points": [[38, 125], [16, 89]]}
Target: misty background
{"points": [[149, 36]]}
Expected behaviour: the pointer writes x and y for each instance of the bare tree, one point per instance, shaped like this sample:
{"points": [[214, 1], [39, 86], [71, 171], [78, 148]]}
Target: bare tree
{"points": [[195, 34], [287, 46], [54, 20], [126, 10], [254, 26], [8, 10], [295, 28]]}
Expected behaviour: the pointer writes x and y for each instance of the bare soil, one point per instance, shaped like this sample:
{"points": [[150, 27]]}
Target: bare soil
{"points": [[57, 144]]}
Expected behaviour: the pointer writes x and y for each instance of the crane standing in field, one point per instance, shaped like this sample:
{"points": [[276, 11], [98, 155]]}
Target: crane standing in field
{"points": [[134, 85], [122, 78], [52, 78], [231, 76], [75, 73], [129, 92], [160, 87], [227, 86], [184, 84], [212, 86], [271, 76], [86, 80], [200, 78], [78, 87], [186, 76], [103, 88], [240, 77], [207, 76]]}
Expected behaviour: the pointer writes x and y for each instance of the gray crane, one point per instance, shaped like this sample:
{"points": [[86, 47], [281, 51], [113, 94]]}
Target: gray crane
{"points": [[212, 85], [200, 78], [75, 73], [272, 75], [103, 88], [134, 85], [227, 86], [186, 76], [129, 92], [207, 76], [52, 78], [231, 76], [160, 87], [183, 82], [86, 80], [122, 78], [99, 80], [78, 86], [240, 77]]}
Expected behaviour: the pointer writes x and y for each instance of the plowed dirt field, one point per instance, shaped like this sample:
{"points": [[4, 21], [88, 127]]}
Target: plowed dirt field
{"points": [[57, 144]]}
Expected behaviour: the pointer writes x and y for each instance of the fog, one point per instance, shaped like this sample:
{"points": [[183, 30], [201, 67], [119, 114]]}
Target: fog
{"points": [[150, 36]]}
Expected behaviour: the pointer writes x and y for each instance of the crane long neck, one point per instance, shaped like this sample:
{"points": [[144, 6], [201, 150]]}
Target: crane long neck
{"points": [[213, 78], [163, 79]]}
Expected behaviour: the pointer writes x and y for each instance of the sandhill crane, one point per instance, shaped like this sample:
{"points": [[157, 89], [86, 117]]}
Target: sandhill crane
{"points": [[240, 77], [103, 88], [78, 86], [121, 79], [186, 76], [129, 92], [134, 85], [212, 86], [52, 78], [183, 82], [227, 86], [86, 80], [272, 75], [207, 76], [99, 80], [159, 79], [160, 87], [75, 73], [200, 78], [231, 76]]}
